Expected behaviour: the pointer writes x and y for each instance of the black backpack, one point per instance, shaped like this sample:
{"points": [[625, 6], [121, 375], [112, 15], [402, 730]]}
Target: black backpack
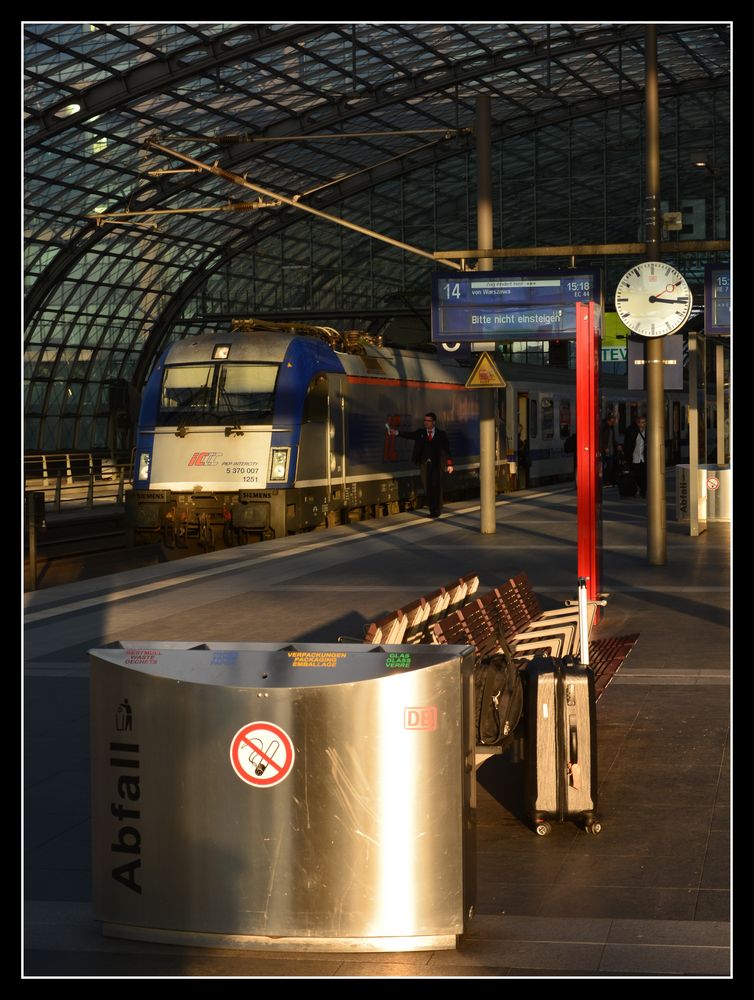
{"points": [[499, 698]]}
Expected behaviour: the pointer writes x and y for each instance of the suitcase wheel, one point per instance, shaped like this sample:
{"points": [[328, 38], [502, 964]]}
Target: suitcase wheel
{"points": [[594, 828], [542, 829]]}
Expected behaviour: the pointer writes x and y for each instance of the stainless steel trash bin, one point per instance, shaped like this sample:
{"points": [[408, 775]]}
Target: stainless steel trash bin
{"points": [[714, 492], [303, 796]]}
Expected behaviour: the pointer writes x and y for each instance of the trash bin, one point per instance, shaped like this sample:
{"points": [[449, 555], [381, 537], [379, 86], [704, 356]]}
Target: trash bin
{"points": [[290, 796], [714, 492]]}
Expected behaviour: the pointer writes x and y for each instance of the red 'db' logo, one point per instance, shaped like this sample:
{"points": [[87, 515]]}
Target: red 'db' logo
{"points": [[424, 717]]}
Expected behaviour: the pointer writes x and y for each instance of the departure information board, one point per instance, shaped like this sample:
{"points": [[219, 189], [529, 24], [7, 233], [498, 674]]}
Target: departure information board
{"points": [[717, 292], [497, 306]]}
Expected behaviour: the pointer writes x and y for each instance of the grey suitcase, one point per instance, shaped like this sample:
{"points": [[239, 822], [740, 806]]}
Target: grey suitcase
{"points": [[560, 740]]}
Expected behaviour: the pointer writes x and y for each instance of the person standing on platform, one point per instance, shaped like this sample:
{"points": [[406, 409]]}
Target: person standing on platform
{"points": [[432, 455], [635, 450]]}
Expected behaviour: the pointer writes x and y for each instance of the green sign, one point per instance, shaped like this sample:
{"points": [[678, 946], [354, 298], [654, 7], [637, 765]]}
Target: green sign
{"points": [[398, 660]]}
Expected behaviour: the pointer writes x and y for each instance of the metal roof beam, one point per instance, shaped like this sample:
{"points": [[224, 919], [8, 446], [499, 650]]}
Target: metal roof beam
{"points": [[159, 75]]}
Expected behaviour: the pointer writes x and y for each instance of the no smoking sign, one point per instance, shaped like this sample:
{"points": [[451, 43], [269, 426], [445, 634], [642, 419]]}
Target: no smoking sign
{"points": [[262, 754]]}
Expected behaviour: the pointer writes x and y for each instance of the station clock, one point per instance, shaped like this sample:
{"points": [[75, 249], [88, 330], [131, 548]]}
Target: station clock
{"points": [[653, 299]]}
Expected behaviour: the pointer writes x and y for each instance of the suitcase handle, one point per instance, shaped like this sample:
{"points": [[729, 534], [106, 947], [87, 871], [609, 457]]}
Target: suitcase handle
{"points": [[573, 741], [583, 624]]}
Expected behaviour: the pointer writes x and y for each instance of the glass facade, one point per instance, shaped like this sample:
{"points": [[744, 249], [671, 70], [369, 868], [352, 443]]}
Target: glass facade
{"points": [[370, 123]]}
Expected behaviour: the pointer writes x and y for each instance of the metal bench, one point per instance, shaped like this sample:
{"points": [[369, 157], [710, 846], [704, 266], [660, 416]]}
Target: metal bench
{"points": [[530, 616]]}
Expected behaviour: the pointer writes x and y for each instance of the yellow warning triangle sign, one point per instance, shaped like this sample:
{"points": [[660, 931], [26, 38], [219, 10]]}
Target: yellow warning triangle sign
{"points": [[485, 374]]}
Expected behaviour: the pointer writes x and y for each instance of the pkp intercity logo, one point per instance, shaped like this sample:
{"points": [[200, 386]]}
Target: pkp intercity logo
{"points": [[205, 458]]}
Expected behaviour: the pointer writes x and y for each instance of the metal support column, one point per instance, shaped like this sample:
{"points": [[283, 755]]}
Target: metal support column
{"points": [[655, 457], [588, 455], [487, 514], [696, 525], [720, 400]]}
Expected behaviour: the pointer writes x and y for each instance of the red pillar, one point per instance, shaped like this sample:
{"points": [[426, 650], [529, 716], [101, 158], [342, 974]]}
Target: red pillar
{"points": [[588, 458]]}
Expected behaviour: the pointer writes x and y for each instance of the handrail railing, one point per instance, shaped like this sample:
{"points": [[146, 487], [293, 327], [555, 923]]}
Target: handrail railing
{"points": [[71, 480], [72, 464]]}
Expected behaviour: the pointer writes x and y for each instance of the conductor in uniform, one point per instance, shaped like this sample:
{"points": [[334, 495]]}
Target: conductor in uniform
{"points": [[432, 455]]}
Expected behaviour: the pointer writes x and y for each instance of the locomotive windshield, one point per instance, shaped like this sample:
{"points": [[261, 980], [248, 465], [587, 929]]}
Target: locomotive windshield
{"points": [[217, 393]]}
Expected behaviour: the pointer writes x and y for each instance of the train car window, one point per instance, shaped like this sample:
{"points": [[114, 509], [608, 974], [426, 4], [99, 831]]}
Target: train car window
{"points": [[533, 419], [548, 419]]}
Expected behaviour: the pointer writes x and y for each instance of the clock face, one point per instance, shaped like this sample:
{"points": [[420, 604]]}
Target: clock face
{"points": [[653, 299]]}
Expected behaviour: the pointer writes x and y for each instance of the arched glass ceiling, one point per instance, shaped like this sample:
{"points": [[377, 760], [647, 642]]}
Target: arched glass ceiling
{"points": [[567, 111]]}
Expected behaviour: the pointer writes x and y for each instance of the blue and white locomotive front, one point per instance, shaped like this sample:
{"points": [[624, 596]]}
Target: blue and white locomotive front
{"points": [[268, 433], [219, 432]]}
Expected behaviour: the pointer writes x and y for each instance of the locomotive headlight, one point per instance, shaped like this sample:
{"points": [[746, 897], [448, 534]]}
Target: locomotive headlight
{"points": [[144, 460], [279, 464]]}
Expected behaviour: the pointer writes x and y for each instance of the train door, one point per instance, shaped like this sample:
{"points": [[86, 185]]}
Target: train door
{"points": [[522, 457], [314, 441], [321, 460], [337, 434], [336, 457], [502, 448]]}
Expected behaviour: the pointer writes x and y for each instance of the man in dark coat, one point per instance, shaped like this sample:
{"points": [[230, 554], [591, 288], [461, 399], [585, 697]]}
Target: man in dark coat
{"points": [[432, 455], [635, 451]]}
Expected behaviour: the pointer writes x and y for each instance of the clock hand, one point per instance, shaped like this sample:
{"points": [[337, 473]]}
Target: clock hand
{"points": [[656, 298], [668, 288]]}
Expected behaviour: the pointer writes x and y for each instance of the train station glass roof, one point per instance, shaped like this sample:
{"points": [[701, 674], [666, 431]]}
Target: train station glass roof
{"points": [[372, 123]]}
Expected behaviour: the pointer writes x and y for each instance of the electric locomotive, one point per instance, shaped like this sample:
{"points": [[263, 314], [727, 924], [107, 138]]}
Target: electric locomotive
{"points": [[274, 429]]}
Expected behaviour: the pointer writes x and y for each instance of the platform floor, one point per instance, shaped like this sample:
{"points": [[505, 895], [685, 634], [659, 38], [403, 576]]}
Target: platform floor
{"points": [[650, 896]]}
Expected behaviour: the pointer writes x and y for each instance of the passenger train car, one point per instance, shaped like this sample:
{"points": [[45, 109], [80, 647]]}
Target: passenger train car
{"points": [[274, 429]]}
